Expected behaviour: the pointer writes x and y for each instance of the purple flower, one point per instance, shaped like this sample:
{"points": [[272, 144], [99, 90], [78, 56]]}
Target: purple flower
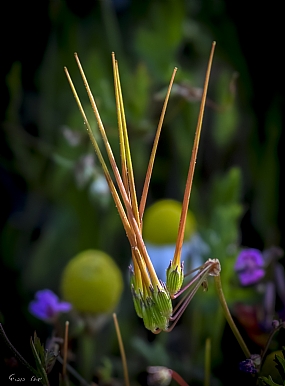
{"points": [[248, 366], [47, 306], [249, 266]]}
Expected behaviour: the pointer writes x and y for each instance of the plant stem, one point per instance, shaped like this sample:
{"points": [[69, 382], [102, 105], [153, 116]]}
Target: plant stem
{"points": [[73, 372], [207, 362], [123, 355], [178, 378], [228, 316], [65, 348], [273, 332]]}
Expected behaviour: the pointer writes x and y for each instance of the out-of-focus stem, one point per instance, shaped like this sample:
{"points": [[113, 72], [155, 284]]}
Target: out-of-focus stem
{"points": [[73, 372], [65, 348], [123, 355], [178, 378], [229, 317], [273, 332], [207, 362]]}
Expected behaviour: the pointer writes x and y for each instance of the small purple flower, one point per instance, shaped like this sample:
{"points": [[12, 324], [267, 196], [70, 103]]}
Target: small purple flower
{"points": [[248, 366], [159, 375], [47, 306], [250, 266]]}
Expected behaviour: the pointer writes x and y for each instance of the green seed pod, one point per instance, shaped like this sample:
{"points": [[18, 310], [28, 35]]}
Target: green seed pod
{"points": [[92, 282], [160, 321], [152, 317], [174, 278], [161, 221], [163, 302], [137, 302], [148, 318]]}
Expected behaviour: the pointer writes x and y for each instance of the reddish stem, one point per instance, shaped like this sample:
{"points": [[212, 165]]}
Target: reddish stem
{"points": [[178, 378]]}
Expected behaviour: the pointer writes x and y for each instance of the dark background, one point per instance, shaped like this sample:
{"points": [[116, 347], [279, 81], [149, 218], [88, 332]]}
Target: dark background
{"points": [[249, 41]]}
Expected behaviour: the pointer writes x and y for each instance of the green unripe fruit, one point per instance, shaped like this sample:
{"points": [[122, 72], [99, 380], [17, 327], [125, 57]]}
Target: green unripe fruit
{"points": [[269, 367], [92, 282], [161, 222]]}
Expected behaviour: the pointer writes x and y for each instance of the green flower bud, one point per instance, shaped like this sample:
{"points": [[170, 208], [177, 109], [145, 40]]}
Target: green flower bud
{"points": [[92, 282], [161, 221]]}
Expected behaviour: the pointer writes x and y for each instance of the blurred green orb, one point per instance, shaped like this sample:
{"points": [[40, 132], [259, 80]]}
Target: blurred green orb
{"points": [[161, 221], [269, 367], [92, 282]]}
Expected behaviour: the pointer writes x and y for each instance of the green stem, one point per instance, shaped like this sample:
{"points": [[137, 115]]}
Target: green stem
{"points": [[229, 317], [86, 355], [122, 350], [207, 362], [273, 332]]}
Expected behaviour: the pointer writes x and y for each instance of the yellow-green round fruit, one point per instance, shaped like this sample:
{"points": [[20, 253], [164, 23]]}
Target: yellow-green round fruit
{"points": [[161, 221], [92, 282], [269, 367]]}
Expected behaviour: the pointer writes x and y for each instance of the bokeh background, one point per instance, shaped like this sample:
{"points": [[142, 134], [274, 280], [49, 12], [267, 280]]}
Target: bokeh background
{"points": [[53, 201]]}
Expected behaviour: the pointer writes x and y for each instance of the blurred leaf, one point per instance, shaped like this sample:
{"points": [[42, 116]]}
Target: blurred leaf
{"points": [[39, 355], [267, 179], [227, 188], [280, 360], [138, 95], [161, 36], [105, 370], [269, 381], [153, 353], [226, 120]]}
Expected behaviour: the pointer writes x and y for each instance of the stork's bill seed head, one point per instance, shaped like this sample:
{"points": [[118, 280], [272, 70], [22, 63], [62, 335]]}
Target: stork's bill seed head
{"points": [[174, 278]]}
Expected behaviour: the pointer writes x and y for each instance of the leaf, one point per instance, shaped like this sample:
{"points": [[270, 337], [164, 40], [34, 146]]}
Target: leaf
{"points": [[269, 381], [39, 354], [280, 364], [50, 358], [153, 353]]}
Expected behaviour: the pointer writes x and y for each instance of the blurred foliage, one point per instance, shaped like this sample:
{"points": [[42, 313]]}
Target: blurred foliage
{"points": [[55, 205]]}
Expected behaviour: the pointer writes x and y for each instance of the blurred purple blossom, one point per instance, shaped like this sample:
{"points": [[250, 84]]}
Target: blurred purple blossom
{"points": [[47, 306], [248, 366], [159, 375], [72, 137], [84, 170], [250, 266]]}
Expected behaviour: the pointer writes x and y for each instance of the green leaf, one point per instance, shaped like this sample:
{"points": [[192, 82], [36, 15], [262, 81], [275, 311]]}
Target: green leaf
{"points": [[39, 355], [280, 364], [159, 39], [269, 381], [227, 188], [50, 358]]}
